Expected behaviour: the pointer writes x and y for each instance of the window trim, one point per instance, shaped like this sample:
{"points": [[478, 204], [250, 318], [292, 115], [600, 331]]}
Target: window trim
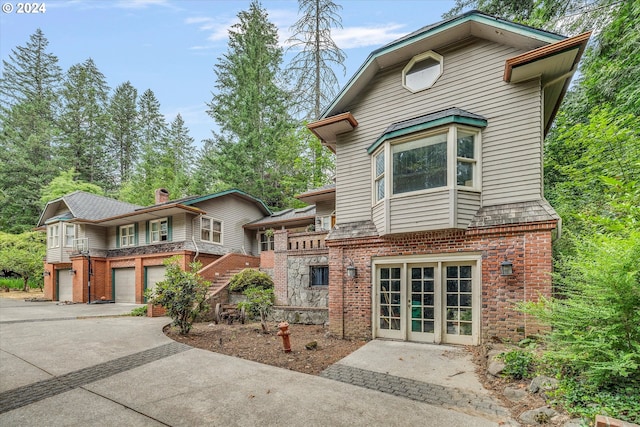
{"points": [[73, 235], [418, 58], [131, 237], [311, 268], [53, 237], [159, 221], [451, 131], [211, 231], [269, 242]]}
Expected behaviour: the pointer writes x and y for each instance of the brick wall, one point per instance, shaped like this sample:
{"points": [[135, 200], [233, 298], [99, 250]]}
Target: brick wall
{"points": [[527, 246]]}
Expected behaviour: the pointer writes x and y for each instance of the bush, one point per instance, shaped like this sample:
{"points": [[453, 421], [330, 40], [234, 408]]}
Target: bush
{"points": [[518, 364], [139, 311], [250, 277], [182, 294], [260, 301]]}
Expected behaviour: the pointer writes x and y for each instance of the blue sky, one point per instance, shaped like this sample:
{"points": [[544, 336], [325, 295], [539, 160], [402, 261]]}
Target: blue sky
{"points": [[172, 46]]}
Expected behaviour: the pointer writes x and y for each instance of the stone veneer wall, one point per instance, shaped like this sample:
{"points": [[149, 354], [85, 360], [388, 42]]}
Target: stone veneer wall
{"points": [[528, 246], [300, 293]]}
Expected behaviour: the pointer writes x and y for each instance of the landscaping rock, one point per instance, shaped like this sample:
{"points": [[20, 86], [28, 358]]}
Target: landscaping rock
{"points": [[542, 384], [574, 422], [311, 345], [538, 416], [514, 394], [496, 367]]}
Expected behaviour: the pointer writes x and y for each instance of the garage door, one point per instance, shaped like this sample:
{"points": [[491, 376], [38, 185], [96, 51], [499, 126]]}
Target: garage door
{"points": [[154, 275], [124, 285], [65, 285]]}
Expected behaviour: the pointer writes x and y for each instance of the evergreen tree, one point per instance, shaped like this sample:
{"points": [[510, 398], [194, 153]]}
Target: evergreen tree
{"points": [[84, 125], [311, 68], [177, 160], [251, 109], [123, 133], [148, 177], [65, 183], [28, 112]]}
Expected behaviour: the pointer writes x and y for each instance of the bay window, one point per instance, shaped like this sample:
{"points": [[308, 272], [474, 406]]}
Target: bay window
{"points": [[442, 158]]}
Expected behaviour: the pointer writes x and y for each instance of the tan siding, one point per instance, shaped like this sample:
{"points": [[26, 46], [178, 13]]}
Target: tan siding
{"points": [[234, 213], [426, 211], [178, 225], [467, 206], [96, 235], [472, 80], [378, 217], [325, 208]]}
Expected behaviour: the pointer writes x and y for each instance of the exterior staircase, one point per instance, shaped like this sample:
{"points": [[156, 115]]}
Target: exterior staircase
{"points": [[220, 272]]}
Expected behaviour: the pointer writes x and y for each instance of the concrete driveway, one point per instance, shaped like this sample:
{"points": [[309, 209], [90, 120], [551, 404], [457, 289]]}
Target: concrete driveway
{"points": [[83, 365]]}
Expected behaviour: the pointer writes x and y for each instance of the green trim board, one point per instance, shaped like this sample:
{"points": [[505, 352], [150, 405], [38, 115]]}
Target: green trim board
{"points": [[479, 123], [224, 193]]}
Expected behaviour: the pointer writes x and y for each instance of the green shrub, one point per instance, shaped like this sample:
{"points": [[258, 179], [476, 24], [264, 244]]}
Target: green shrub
{"points": [[250, 277], [139, 311], [518, 364], [182, 294], [259, 301]]}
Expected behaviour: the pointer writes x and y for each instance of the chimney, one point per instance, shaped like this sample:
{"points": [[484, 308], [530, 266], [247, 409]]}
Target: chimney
{"points": [[162, 196]]}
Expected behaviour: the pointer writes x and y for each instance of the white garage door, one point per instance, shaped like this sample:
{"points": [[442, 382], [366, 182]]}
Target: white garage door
{"points": [[124, 284], [65, 285], [154, 275]]}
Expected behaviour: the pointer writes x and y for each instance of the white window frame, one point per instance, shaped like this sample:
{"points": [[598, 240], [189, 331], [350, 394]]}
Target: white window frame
{"points": [[266, 242], [158, 232], [69, 238], [431, 80], [210, 230], [452, 162], [53, 231], [323, 222], [129, 238]]}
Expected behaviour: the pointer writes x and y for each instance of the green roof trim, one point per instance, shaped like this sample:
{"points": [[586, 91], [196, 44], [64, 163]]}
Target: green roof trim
{"points": [[431, 30], [479, 123], [224, 193]]}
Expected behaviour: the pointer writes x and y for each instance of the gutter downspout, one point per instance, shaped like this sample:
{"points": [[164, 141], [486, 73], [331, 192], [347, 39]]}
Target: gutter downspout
{"points": [[193, 239]]}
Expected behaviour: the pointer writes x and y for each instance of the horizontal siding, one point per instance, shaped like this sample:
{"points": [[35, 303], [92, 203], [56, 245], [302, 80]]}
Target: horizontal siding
{"points": [[427, 211], [472, 80], [96, 236], [234, 213], [325, 208], [468, 203], [378, 217], [178, 228]]}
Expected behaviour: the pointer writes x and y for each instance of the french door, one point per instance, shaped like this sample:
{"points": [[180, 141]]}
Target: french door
{"points": [[427, 302]]}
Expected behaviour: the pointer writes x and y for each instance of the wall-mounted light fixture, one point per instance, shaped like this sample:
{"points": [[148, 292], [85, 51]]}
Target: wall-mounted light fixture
{"points": [[352, 272], [506, 268], [46, 273], [72, 272]]}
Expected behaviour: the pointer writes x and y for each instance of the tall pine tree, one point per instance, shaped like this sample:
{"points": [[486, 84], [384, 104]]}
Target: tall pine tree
{"points": [[84, 125], [124, 130], [28, 112], [250, 108]]}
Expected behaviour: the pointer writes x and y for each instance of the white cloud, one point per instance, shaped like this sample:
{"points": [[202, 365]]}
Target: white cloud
{"points": [[356, 37]]}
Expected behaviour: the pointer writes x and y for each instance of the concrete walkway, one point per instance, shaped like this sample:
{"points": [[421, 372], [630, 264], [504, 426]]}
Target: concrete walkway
{"points": [[59, 365]]}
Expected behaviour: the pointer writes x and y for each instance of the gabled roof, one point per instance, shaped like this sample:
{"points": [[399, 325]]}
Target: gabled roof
{"points": [[552, 56], [91, 208], [286, 218], [233, 192], [85, 205], [432, 37]]}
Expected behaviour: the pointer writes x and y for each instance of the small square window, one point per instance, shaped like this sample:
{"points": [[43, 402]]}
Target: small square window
{"points": [[319, 275], [210, 230]]}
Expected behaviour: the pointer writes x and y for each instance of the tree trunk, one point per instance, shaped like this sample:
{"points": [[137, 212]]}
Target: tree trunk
{"points": [[25, 280]]}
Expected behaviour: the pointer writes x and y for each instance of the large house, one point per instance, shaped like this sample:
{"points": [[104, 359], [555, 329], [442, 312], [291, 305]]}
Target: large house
{"points": [[436, 225], [441, 221]]}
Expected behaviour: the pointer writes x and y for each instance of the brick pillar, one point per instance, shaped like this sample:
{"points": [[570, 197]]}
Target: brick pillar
{"points": [[80, 291], [49, 291], [280, 260], [336, 291], [139, 274], [538, 267]]}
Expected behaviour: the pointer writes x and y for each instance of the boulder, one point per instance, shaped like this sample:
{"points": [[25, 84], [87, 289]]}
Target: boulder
{"points": [[538, 416], [543, 383], [495, 367], [514, 394]]}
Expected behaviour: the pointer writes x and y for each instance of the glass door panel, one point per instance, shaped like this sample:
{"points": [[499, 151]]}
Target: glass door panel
{"points": [[389, 302], [422, 303], [459, 303]]}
